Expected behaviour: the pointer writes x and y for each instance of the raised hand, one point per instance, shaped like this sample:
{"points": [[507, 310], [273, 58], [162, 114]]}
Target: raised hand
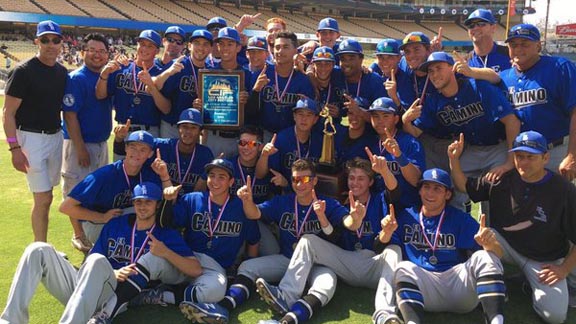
{"points": [[246, 20], [159, 166], [177, 66], [157, 247], [121, 131], [391, 144], [318, 205], [245, 192], [461, 65], [278, 179], [350, 102], [262, 79], [145, 77], [300, 62], [391, 86], [414, 112], [269, 148], [357, 209], [455, 148], [388, 223], [485, 237], [436, 43], [171, 193], [379, 163]]}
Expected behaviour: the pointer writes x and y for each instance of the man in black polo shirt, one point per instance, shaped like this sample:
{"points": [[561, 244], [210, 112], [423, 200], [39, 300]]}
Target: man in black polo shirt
{"points": [[32, 108]]}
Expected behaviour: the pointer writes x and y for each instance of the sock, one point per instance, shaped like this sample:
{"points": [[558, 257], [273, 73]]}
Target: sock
{"points": [[303, 309], [491, 293], [168, 297], [130, 288], [410, 301], [238, 292], [468, 206]]}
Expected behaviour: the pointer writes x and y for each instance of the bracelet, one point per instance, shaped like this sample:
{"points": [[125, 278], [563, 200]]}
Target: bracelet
{"points": [[17, 147], [100, 77], [11, 140], [168, 180], [328, 229], [402, 160]]}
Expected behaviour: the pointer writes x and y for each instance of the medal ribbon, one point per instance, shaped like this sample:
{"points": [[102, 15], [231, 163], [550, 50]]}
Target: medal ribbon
{"points": [[360, 230], [194, 76], [132, 259], [278, 95], [433, 247], [298, 144], [242, 174], [296, 215], [135, 79], [127, 178], [212, 227], [357, 87], [180, 178]]}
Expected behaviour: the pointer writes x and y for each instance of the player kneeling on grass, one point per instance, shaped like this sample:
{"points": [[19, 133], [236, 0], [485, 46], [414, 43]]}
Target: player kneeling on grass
{"points": [[352, 259], [438, 276], [121, 250], [533, 212], [296, 214]]}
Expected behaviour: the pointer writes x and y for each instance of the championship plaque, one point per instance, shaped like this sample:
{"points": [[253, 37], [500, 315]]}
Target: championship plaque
{"points": [[220, 94]]}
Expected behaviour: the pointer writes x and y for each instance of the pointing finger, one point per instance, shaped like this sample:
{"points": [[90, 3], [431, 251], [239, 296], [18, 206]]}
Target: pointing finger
{"points": [[392, 213], [128, 123], [388, 134], [461, 139], [415, 103], [457, 56], [263, 72], [180, 59], [158, 155], [151, 236], [369, 153], [249, 183], [221, 155], [256, 15], [276, 173], [440, 33], [273, 140], [314, 197], [393, 75], [350, 198], [483, 221]]}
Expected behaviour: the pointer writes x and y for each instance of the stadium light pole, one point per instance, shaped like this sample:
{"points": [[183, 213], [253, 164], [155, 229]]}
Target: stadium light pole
{"points": [[546, 23]]}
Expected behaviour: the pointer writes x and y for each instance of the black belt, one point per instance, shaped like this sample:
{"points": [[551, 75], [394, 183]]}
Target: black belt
{"points": [[137, 128], [555, 143], [39, 131], [226, 134]]}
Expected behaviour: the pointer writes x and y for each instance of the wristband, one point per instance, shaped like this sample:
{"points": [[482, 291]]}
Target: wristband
{"points": [[17, 147], [167, 180], [100, 77], [11, 140], [402, 160], [328, 229]]}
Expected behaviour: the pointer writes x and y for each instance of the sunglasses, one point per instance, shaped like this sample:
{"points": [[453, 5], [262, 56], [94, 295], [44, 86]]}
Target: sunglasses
{"points": [[250, 144], [531, 144], [174, 40], [95, 51], [476, 24], [55, 40], [302, 179]]}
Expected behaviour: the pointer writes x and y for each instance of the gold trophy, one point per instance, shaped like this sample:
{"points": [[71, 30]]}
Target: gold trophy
{"points": [[330, 179], [327, 158]]}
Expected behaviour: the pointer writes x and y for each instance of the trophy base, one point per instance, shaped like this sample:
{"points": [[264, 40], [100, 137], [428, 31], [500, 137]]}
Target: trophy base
{"points": [[327, 168], [331, 185]]}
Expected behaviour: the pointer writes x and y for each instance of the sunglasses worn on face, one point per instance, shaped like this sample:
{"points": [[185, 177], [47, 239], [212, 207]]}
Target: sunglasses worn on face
{"points": [[250, 144], [174, 40], [476, 24], [302, 179], [55, 41], [95, 51]]}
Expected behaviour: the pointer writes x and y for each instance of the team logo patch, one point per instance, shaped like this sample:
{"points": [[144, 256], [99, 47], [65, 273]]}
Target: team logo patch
{"points": [[68, 100]]}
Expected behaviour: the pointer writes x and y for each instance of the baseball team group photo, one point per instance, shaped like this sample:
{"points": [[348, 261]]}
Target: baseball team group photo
{"points": [[287, 162]]}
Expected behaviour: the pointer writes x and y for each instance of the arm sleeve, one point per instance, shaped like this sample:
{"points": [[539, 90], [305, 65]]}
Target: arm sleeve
{"points": [[17, 83]]}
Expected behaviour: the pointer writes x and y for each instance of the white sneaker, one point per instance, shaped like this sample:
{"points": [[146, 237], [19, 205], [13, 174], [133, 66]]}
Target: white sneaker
{"points": [[81, 243]]}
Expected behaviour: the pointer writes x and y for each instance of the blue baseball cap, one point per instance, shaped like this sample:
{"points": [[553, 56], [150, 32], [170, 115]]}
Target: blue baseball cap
{"points": [[307, 103], [323, 53], [190, 116], [150, 35], [438, 176], [228, 33], [328, 24], [388, 46], [217, 22], [362, 103], [531, 142], [222, 164], [526, 31], [480, 14], [175, 30], [257, 43], [147, 190], [383, 104], [350, 46], [202, 33], [48, 27], [415, 38], [435, 58], [140, 137]]}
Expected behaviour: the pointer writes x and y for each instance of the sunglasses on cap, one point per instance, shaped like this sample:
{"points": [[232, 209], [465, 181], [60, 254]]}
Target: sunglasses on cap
{"points": [[55, 40], [250, 144], [324, 55], [174, 40], [214, 29], [475, 24], [532, 144], [302, 179]]}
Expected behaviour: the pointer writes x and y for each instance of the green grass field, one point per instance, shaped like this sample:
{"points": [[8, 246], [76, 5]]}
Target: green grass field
{"points": [[350, 305]]}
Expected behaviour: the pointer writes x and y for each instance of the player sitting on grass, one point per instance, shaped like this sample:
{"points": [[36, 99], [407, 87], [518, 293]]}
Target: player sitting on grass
{"points": [[439, 274]]}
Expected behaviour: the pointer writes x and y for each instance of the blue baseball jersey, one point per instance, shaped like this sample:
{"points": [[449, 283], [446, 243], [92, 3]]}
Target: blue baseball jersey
{"points": [[191, 212], [94, 116], [260, 187], [162, 66], [543, 96], [474, 111], [411, 86], [115, 241], [275, 112], [182, 89], [106, 188], [202, 155], [280, 210], [498, 59], [377, 209], [310, 55], [402, 80], [370, 87], [375, 68], [414, 153], [348, 148], [456, 237], [288, 152], [131, 100]]}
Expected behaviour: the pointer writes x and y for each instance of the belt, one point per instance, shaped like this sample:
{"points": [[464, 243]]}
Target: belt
{"points": [[140, 127], [226, 134], [39, 131], [557, 142]]}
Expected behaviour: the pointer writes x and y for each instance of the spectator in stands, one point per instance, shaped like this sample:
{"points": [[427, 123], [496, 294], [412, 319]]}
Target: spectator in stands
{"points": [[8, 62], [481, 27], [174, 42], [87, 125], [32, 106]]}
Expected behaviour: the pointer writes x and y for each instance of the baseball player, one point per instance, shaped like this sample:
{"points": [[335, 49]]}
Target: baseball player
{"points": [[437, 275], [106, 192], [296, 214], [274, 25], [179, 82], [540, 88], [300, 141], [327, 34], [257, 54], [125, 240], [481, 27], [351, 141], [471, 107], [352, 259], [532, 212], [388, 57], [87, 125], [174, 42], [130, 83]]}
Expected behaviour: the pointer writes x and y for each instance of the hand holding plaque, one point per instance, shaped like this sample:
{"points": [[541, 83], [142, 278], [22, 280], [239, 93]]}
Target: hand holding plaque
{"points": [[220, 94]]}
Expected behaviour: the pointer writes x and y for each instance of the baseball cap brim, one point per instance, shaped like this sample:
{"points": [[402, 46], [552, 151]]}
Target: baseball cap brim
{"points": [[148, 39], [527, 149], [211, 166], [521, 36]]}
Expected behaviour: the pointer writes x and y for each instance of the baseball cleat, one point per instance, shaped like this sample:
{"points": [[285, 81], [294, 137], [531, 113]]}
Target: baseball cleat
{"points": [[270, 321], [209, 313], [81, 243], [154, 296], [100, 318], [272, 296]]}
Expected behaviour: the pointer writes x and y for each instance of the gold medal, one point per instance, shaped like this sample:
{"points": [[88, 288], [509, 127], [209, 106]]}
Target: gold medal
{"points": [[358, 246]]}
